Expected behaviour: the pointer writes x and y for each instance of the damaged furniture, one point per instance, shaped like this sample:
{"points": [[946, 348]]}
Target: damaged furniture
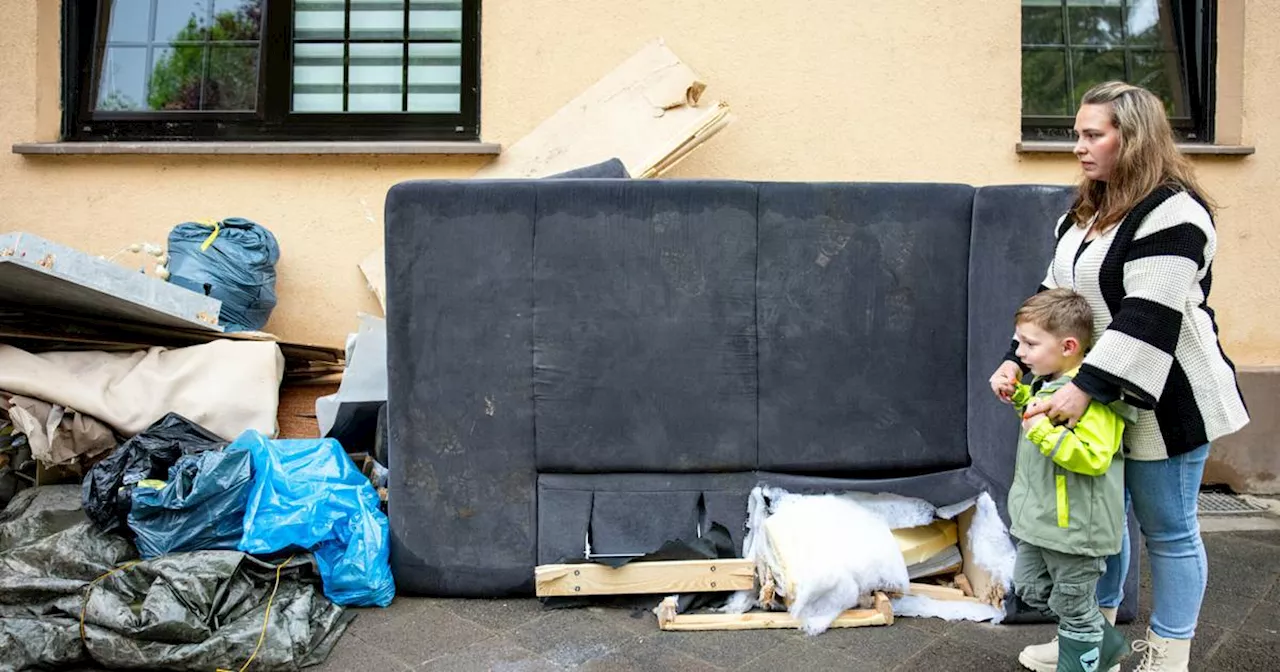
{"points": [[593, 367]]}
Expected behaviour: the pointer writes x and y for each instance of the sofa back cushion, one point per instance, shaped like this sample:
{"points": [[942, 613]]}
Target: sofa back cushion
{"points": [[644, 346], [1011, 247], [862, 319]]}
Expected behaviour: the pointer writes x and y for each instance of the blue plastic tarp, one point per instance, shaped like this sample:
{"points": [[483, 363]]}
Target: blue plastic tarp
{"points": [[308, 494]]}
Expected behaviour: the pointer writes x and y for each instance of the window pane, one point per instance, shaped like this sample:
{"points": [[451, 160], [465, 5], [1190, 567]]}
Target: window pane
{"points": [[376, 78], [1160, 72], [130, 21], [1044, 82], [123, 82], [232, 82], [435, 20], [1091, 67], [319, 20], [182, 20], [239, 20], [1103, 26], [317, 77], [1149, 23], [377, 20], [435, 78], [1041, 23], [176, 78]]}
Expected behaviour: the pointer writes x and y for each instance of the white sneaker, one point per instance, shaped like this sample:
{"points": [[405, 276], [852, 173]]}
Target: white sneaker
{"points": [[1040, 657], [1163, 655]]}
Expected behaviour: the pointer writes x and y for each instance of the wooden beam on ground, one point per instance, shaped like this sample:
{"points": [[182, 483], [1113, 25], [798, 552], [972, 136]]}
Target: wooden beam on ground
{"points": [[939, 592], [644, 578], [669, 620]]}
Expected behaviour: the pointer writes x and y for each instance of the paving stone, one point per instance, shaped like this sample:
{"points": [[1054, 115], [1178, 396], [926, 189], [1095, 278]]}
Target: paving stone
{"points": [[884, 646], [423, 635], [648, 654], [1263, 621], [352, 653], [949, 655], [497, 615], [808, 655], [727, 648], [934, 626], [1225, 609], [491, 654], [571, 637], [1239, 652], [1239, 565], [1274, 594], [1005, 639]]}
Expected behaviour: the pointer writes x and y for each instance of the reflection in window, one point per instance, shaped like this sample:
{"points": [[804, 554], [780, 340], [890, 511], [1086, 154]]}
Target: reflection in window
{"points": [[180, 55], [1070, 45]]}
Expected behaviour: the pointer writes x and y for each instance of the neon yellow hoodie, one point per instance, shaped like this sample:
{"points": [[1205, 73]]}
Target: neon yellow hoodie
{"points": [[1068, 484]]}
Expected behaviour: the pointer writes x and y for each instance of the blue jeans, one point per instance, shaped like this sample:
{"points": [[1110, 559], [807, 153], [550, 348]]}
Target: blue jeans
{"points": [[1163, 497]]}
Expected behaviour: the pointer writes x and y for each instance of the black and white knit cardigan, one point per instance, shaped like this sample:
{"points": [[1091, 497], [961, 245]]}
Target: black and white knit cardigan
{"points": [[1155, 339]]}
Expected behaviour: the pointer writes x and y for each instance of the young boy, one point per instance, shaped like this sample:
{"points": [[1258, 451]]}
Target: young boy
{"points": [[1067, 499]]}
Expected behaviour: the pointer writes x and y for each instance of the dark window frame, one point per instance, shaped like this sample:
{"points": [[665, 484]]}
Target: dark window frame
{"points": [[273, 121], [1198, 52]]}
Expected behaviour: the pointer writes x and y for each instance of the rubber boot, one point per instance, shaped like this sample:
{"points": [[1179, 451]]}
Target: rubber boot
{"points": [[1079, 656], [1044, 657]]}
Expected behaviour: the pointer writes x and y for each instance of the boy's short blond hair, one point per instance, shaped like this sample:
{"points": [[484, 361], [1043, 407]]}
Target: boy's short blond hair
{"points": [[1060, 312]]}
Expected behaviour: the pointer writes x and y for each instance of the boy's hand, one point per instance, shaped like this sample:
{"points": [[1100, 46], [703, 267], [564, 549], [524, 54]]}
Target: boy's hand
{"points": [[1031, 421], [1004, 380]]}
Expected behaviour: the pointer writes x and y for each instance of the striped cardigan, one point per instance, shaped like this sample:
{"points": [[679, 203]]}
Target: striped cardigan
{"points": [[1155, 340]]}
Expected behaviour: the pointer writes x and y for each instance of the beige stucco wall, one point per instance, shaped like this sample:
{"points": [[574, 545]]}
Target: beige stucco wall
{"points": [[922, 90]]}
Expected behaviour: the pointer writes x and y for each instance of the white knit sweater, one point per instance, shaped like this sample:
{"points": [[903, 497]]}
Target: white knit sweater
{"points": [[1155, 340]]}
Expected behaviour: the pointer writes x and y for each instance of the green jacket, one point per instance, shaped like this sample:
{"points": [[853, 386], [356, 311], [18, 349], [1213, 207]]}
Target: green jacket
{"points": [[1068, 484]]}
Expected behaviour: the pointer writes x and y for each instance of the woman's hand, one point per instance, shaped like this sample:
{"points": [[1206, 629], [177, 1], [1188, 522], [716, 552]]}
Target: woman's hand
{"points": [[1065, 406], [1004, 380]]}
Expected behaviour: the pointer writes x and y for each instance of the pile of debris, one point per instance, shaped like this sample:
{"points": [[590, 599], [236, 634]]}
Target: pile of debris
{"points": [[815, 562], [157, 406]]}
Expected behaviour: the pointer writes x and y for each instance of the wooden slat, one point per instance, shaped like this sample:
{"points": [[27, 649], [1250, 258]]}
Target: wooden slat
{"points": [[643, 578], [939, 592], [669, 620]]}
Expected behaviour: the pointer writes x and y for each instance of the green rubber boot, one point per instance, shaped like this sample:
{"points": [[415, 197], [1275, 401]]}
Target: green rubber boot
{"points": [[1077, 656]]}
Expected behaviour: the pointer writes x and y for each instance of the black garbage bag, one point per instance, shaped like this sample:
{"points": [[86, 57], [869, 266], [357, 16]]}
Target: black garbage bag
{"points": [[107, 488], [200, 508], [185, 611]]}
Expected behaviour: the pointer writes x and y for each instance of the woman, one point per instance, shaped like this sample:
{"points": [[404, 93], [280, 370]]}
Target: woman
{"points": [[1139, 244]]}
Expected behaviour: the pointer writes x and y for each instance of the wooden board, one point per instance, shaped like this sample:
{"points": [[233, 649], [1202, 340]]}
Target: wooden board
{"points": [[939, 593], [669, 620], [644, 578]]}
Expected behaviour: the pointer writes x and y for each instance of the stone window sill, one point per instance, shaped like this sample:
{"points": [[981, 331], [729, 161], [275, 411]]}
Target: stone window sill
{"points": [[1050, 147], [259, 148]]}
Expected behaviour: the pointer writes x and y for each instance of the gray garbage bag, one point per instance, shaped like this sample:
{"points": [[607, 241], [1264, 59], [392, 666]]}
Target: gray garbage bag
{"points": [[186, 611]]}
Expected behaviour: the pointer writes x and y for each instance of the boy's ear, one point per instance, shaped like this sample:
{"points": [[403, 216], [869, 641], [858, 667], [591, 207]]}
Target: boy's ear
{"points": [[1070, 346]]}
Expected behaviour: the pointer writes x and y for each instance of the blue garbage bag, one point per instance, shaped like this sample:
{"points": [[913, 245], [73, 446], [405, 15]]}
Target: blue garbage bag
{"points": [[234, 261], [200, 508], [308, 494]]}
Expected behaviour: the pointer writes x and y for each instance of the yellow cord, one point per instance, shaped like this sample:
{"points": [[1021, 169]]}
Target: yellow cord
{"points": [[84, 608], [265, 619]]}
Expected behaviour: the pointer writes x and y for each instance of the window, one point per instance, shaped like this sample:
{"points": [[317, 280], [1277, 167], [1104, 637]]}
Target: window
{"points": [[1068, 46], [270, 69]]}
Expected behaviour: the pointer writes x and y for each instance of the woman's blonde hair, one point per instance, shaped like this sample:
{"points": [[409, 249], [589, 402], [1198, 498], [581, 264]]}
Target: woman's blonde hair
{"points": [[1148, 158]]}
